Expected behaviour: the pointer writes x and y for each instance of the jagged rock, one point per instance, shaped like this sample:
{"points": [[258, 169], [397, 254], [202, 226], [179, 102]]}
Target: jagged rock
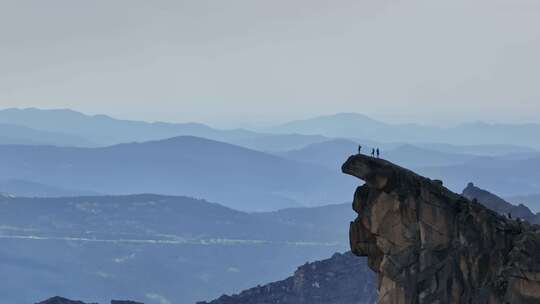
{"points": [[430, 245], [124, 302], [342, 279], [499, 205], [60, 300]]}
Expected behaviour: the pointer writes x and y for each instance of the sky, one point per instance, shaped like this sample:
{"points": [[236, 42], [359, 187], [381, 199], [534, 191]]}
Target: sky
{"points": [[254, 62]]}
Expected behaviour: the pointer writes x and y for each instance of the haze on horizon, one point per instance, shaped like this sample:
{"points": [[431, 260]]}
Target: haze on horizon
{"points": [[240, 62]]}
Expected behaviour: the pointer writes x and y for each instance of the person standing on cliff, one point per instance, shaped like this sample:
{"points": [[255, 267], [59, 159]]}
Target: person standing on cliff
{"points": [[359, 149], [377, 152], [373, 152]]}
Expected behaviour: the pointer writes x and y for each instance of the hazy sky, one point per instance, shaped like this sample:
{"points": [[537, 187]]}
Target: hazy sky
{"points": [[238, 62]]}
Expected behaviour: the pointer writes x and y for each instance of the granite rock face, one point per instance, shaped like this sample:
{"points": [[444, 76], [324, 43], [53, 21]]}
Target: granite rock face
{"points": [[430, 245], [342, 279]]}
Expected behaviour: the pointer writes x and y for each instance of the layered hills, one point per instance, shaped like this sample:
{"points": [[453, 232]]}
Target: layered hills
{"points": [[354, 125], [237, 177], [64, 127]]}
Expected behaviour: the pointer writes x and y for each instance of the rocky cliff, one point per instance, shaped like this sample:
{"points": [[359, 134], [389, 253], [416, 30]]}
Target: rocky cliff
{"points": [[430, 245], [499, 205], [342, 279]]}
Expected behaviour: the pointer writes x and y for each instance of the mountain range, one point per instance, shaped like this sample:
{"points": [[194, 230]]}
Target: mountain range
{"points": [[64, 127], [358, 126], [70, 128], [235, 176]]}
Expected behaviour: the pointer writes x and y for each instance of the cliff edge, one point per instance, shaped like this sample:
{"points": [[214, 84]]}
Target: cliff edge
{"points": [[430, 245]]}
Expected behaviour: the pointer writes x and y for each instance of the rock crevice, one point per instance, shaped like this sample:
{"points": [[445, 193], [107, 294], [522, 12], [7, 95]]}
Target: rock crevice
{"points": [[430, 245]]}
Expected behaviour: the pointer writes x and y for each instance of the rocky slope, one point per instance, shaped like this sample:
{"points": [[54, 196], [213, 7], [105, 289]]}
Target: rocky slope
{"points": [[342, 279], [430, 245], [499, 205]]}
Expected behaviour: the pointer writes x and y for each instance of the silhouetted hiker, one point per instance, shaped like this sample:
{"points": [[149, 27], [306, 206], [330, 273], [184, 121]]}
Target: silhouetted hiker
{"points": [[377, 152], [359, 149], [509, 215], [373, 152]]}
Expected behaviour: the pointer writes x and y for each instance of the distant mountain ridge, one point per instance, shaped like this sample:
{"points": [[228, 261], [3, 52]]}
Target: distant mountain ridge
{"points": [[353, 125], [238, 177], [103, 130]]}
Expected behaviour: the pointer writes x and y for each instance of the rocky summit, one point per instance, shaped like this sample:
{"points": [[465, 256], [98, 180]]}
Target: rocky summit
{"points": [[430, 245], [342, 279]]}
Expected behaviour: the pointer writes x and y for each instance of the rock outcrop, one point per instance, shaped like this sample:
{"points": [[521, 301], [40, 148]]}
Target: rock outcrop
{"points": [[499, 205], [342, 279], [430, 245]]}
